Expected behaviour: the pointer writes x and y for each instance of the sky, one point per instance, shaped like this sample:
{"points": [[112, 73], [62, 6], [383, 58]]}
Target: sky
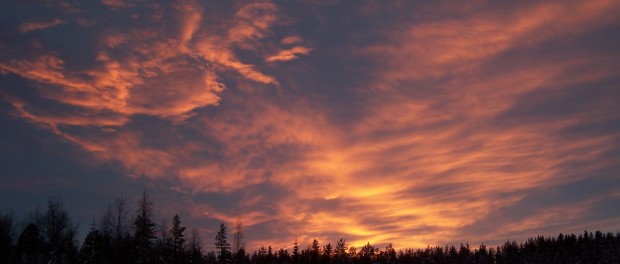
{"points": [[411, 122]]}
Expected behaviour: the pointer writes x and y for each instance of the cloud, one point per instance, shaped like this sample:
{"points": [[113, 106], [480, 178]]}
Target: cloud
{"points": [[116, 3], [289, 40], [455, 46], [34, 26], [461, 118], [140, 70], [289, 54], [211, 49], [251, 23], [190, 15]]}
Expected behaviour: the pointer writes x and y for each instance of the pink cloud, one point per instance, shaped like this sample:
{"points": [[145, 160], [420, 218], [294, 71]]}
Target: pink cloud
{"points": [[34, 26], [116, 3]]}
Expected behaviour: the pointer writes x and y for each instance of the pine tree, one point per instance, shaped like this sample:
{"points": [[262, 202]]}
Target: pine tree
{"points": [[390, 254], [90, 252], [295, 252], [222, 244], [326, 257], [176, 240], [367, 253], [315, 252], [341, 251], [145, 231]]}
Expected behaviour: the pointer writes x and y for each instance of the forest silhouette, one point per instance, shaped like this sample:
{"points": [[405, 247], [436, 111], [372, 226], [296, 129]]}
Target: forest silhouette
{"points": [[50, 236]]}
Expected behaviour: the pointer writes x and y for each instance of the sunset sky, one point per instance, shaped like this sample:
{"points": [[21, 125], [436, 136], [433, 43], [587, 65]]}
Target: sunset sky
{"points": [[412, 122]]}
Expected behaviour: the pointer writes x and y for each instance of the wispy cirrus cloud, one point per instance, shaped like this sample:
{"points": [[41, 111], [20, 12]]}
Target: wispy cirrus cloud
{"points": [[34, 26], [289, 54], [461, 118], [136, 67]]}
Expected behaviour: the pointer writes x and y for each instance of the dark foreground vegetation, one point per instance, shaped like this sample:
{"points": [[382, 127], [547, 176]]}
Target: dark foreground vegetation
{"points": [[118, 237]]}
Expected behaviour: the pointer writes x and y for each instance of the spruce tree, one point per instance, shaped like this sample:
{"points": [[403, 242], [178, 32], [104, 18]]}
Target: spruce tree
{"points": [[90, 252], [341, 251], [176, 240], [145, 231], [222, 244]]}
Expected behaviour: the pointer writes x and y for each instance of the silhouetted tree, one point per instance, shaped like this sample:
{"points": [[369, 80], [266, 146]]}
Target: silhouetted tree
{"points": [[238, 243], [295, 257], [6, 237], [388, 256], [314, 252], [120, 219], [121, 242], [194, 247], [270, 258], [162, 252], [352, 253], [90, 252], [282, 256], [145, 231], [221, 243], [341, 252], [28, 248], [211, 258], [367, 254], [176, 241], [106, 251], [59, 233], [260, 257], [50, 238], [326, 256], [464, 253], [481, 255]]}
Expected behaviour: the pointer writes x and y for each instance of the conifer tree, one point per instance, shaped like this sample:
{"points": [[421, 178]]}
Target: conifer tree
{"points": [[341, 251], [176, 240], [145, 231], [90, 252], [326, 257], [295, 252], [221, 243]]}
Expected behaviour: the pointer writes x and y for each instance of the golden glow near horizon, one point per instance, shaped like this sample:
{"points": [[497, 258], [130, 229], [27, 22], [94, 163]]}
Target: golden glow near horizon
{"points": [[423, 150]]}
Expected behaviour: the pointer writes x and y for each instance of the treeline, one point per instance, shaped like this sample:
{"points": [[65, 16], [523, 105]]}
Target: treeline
{"points": [[118, 237]]}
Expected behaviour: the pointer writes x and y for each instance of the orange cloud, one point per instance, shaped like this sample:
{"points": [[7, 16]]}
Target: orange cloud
{"points": [[252, 22], [433, 152], [289, 54], [190, 16], [459, 46], [415, 170], [158, 80], [288, 40]]}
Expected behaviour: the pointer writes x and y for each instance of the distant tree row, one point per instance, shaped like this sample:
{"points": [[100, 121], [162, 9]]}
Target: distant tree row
{"points": [[50, 237]]}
